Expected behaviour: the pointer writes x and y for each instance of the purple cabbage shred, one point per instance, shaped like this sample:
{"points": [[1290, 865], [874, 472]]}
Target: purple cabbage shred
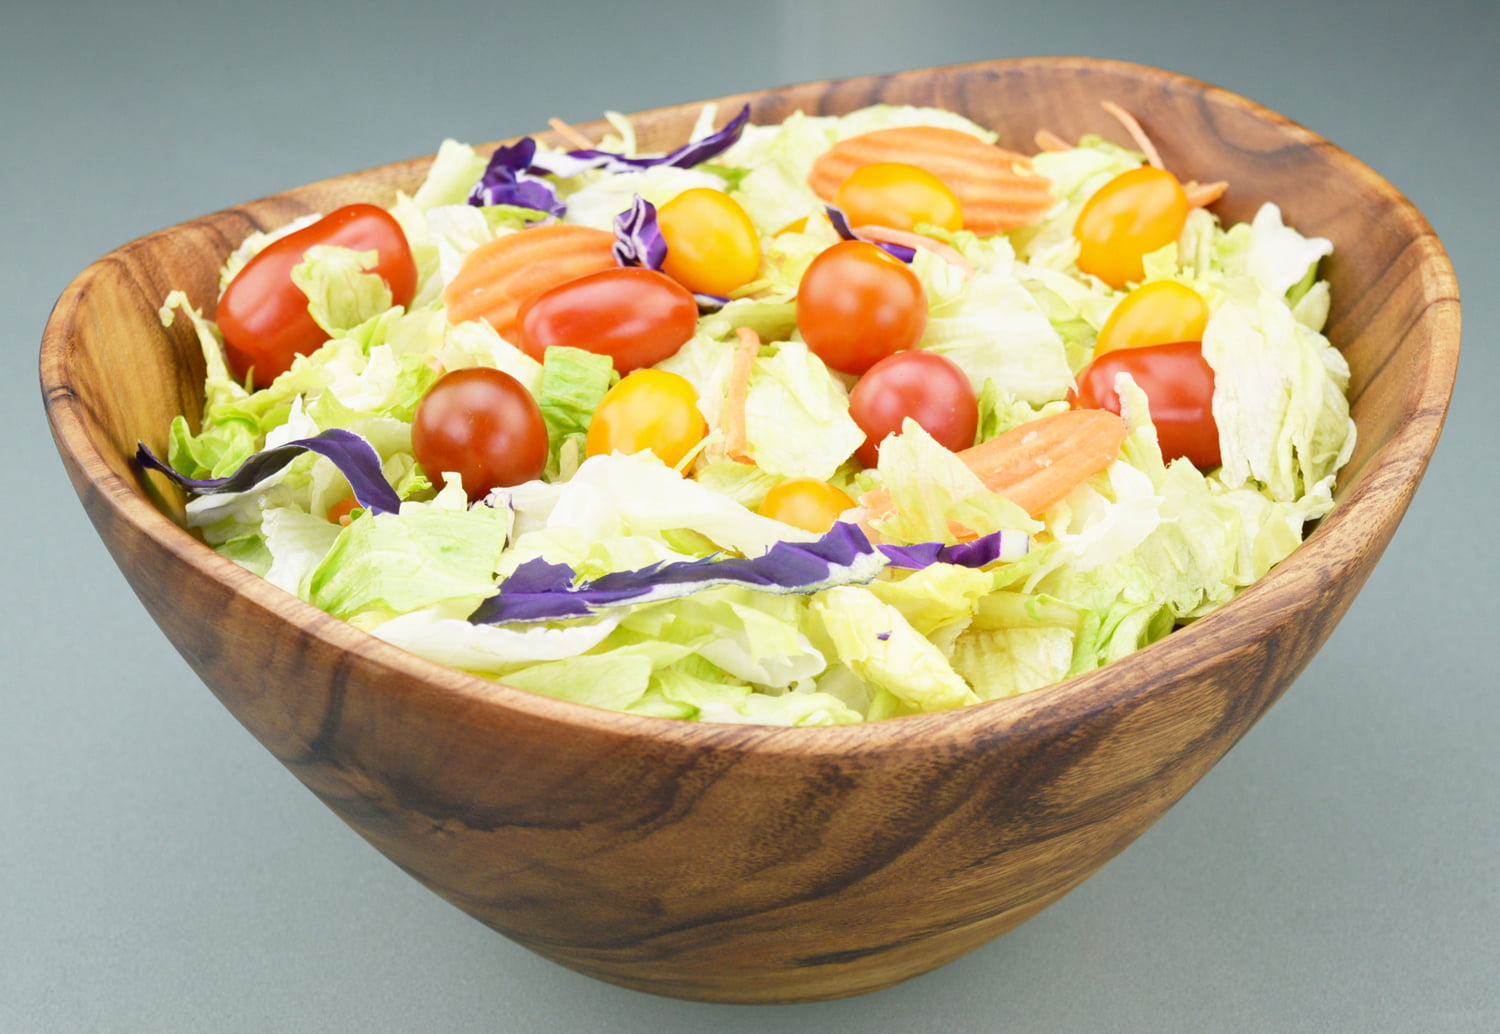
{"points": [[508, 180], [841, 224], [356, 459]]}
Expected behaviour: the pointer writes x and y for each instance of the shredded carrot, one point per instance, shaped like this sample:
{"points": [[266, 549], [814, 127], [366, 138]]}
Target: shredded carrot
{"points": [[1200, 194], [736, 440], [1046, 140], [1142, 141], [570, 134], [888, 235]]}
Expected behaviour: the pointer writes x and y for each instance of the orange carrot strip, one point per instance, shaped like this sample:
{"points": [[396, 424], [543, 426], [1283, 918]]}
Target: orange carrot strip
{"points": [[1142, 141], [916, 240], [499, 276], [570, 134], [1046, 140], [995, 187], [736, 440], [1036, 464], [1200, 194]]}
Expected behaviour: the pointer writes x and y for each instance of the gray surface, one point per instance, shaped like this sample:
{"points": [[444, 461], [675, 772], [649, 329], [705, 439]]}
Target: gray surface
{"points": [[160, 871]]}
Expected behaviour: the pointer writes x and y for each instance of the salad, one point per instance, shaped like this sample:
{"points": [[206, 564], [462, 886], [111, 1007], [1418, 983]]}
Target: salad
{"points": [[832, 420]]}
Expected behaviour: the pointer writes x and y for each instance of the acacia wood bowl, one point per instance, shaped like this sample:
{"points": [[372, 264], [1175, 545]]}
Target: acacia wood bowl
{"points": [[747, 864]]}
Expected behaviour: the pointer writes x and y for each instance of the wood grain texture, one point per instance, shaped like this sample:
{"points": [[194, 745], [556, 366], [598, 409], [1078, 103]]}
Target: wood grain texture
{"points": [[756, 864]]}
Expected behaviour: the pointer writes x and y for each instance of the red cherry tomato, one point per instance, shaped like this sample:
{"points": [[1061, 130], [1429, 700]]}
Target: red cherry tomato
{"points": [[925, 386], [1179, 384], [805, 503], [483, 425], [897, 195], [712, 246], [636, 316], [856, 305], [648, 409], [263, 315], [1125, 220]]}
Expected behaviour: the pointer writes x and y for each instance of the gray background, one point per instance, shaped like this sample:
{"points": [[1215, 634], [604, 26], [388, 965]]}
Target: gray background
{"points": [[161, 872]]}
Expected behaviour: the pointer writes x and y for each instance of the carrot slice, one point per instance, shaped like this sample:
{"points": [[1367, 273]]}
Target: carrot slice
{"points": [[1036, 464], [995, 187], [499, 276]]}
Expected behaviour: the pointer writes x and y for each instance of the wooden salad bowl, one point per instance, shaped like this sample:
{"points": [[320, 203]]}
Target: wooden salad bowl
{"points": [[753, 864]]}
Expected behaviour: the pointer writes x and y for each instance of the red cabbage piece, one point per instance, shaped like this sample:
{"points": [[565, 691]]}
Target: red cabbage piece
{"points": [[542, 591], [639, 242], [685, 157], [356, 459], [508, 180], [981, 551], [841, 224]]}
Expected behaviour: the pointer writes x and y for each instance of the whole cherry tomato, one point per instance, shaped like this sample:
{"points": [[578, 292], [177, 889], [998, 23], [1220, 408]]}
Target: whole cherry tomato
{"points": [[712, 246], [648, 409], [805, 503], [1154, 314], [1126, 219], [856, 305], [897, 195], [263, 315], [924, 386], [636, 316], [1179, 385], [482, 424]]}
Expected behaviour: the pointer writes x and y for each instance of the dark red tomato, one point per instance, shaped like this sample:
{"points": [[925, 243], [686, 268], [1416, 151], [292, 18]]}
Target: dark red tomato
{"points": [[925, 386], [483, 425], [636, 316], [856, 305], [263, 315], [1178, 383]]}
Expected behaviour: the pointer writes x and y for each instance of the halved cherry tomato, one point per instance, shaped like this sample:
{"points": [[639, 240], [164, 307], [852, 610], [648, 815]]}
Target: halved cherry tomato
{"points": [[648, 409], [712, 246], [263, 315], [1154, 314], [1179, 385], [636, 316], [925, 386], [856, 305], [897, 195], [1126, 219], [805, 503], [482, 424]]}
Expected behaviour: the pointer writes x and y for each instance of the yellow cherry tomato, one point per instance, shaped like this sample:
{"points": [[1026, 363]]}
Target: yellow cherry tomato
{"points": [[1157, 313], [897, 195], [805, 503], [1126, 219], [648, 409], [712, 246]]}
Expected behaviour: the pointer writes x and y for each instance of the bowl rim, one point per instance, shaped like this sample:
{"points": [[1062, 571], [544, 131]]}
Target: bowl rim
{"points": [[1360, 522]]}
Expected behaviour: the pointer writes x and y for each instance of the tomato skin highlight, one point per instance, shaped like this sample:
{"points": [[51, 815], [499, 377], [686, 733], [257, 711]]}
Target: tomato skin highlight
{"points": [[263, 315], [805, 503], [648, 409], [1157, 313], [636, 316], [482, 424], [897, 195], [856, 305], [1129, 217], [1179, 384], [925, 386], [712, 246]]}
